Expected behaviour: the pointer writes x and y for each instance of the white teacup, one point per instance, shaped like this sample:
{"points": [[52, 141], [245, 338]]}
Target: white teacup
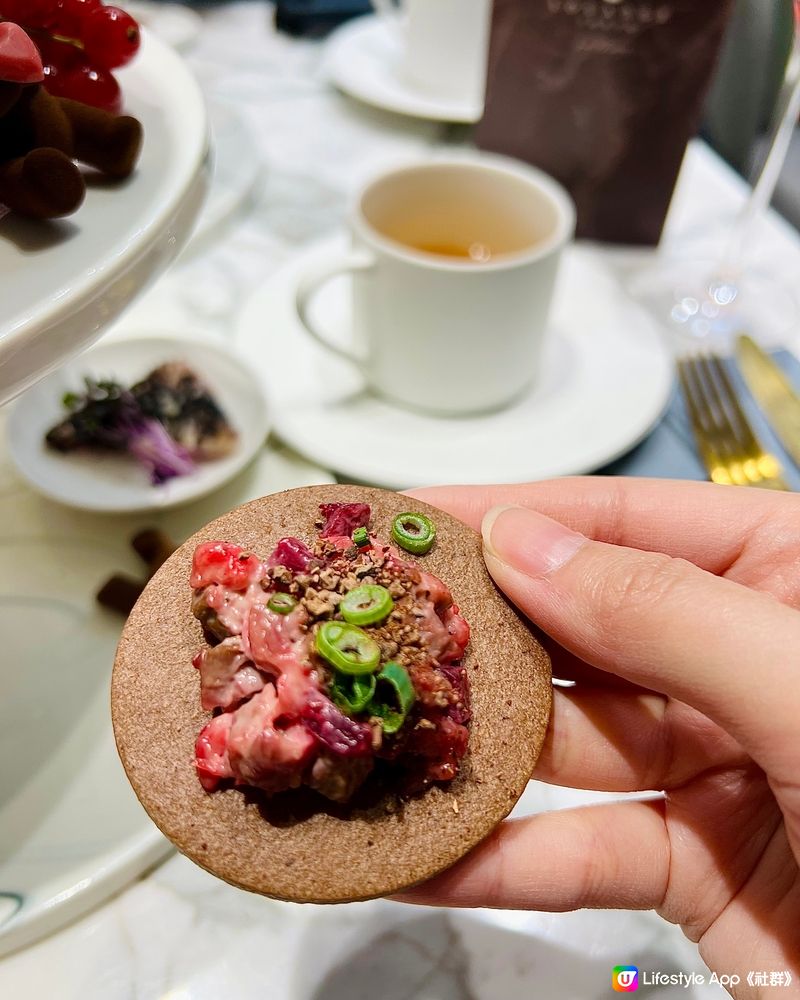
{"points": [[454, 265], [445, 45]]}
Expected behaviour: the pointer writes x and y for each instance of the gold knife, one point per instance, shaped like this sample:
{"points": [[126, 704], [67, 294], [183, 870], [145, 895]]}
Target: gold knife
{"points": [[773, 392]]}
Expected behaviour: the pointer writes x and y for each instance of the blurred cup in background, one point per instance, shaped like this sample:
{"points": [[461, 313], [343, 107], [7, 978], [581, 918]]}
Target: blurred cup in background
{"points": [[454, 264], [445, 45]]}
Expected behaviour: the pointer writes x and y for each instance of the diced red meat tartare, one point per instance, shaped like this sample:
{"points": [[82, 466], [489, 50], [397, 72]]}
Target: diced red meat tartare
{"points": [[330, 662]]}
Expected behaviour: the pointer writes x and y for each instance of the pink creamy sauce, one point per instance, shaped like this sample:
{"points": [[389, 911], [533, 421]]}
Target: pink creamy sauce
{"points": [[445, 631], [263, 742], [274, 719]]}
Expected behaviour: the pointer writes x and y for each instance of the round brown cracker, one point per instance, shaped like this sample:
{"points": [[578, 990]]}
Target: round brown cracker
{"points": [[330, 853]]}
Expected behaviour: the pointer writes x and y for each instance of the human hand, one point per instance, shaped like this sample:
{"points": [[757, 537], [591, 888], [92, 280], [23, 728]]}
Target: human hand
{"points": [[675, 607]]}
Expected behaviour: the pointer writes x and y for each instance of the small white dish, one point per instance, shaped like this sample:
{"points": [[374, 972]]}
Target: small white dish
{"points": [[62, 283], [174, 24], [363, 58], [116, 483], [606, 380], [72, 832]]}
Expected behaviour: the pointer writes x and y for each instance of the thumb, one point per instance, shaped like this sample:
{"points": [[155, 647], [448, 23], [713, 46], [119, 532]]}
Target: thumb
{"points": [[660, 622]]}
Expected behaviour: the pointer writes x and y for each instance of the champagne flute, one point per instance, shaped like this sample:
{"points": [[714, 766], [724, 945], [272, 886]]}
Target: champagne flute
{"points": [[715, 300]]}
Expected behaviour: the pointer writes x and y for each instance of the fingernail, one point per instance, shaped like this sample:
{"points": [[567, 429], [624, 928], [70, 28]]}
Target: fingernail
{"points": [[529, 542]]}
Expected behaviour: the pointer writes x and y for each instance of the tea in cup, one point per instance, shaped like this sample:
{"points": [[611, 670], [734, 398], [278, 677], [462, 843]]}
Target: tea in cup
{"points": [[454, 264]]}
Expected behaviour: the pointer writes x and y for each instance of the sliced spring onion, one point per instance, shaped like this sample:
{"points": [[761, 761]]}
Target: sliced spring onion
{"points": [[347, 648], [414, 532], [361, 538], [281, 604], [394, 697], [366, 605], [353, 694]]}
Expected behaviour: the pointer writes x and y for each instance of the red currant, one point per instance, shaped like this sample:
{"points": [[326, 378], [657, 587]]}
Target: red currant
{"points": [[69, 17], [58, 56], [28, 13], [110, 36], [89, 85]]}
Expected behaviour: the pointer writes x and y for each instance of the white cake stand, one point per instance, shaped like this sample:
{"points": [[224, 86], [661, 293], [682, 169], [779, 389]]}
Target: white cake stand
{"points": [[62, 283]]}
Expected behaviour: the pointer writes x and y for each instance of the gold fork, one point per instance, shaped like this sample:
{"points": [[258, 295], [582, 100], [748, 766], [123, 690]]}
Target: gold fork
{"points": [[728, 447]]}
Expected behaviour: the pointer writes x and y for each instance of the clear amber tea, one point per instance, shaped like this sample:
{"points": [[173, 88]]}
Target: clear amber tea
{"points": [[459, 216], [477, 252]]}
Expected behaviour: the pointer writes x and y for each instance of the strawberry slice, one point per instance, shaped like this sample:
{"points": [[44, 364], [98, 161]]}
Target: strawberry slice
{"points": [[20, 61]]}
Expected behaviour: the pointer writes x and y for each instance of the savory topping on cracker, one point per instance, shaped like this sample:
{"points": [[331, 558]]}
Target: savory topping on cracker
{"points": [[276, 714], [330, 663]]}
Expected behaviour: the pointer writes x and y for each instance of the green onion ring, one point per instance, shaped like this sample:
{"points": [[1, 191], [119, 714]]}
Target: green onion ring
{"points": [[281, 603], [366, 605], [414, 532], [401, 696], [352, 694], [347, 648], [361, 538]]}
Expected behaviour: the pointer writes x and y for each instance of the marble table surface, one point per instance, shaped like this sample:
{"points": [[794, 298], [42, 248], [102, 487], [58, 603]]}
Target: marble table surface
{"points": [[179, 934]]}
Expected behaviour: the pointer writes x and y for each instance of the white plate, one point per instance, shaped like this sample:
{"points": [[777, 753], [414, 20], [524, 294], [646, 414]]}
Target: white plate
{"points": [[61, 283], [363, 58], [114, 483], [605, 382], [174, 24], [71, 830]]}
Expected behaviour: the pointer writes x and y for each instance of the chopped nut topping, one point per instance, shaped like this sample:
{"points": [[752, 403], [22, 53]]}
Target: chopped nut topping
{"points": [[321, 591], [320, 602], [329, 579], [280, 574]]}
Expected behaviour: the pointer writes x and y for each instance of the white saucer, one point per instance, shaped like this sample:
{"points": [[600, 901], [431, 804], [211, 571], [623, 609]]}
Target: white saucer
{"points": [[606, 380], [363, 58], [117, 484], [71, 830]]}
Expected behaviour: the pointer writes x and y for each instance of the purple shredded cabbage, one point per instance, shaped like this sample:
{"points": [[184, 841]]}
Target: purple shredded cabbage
{"points": [[338, 733], [161, 455], [344, 518], [457, 676], [107, 416], [293, 554]]}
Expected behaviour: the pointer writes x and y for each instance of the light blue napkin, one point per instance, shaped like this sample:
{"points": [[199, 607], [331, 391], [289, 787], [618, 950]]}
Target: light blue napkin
{"points": [[670, 452]]}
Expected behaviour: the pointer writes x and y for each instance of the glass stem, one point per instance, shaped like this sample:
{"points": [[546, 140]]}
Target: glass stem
{"points": [[786, 117]]}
